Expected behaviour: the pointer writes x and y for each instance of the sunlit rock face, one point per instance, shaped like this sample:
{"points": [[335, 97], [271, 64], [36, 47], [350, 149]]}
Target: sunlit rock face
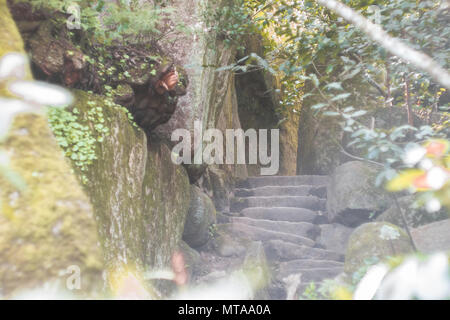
{"points": [[259, 96], [201, 54], [211, 95]]}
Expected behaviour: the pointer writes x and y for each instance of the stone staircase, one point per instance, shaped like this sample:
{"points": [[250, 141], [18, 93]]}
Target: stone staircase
{"points": [[285, 214]]}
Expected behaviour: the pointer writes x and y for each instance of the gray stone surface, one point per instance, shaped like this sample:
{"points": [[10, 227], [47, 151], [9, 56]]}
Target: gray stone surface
{"points": [[281, 214], [258, 234], [255, 182], [274, 191], [415, 217], [308, 202], [432, 237], [352, 196], [303, 229], [227, 245], [334, 237], [284, 251]]}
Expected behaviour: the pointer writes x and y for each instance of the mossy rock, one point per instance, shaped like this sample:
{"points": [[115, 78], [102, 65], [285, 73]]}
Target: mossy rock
{"points": [[257, 270], [10, 39], [377, 240], [114, 180], [47, 51], [201, 215], [140, 198], [166, 199], [49, 226]]}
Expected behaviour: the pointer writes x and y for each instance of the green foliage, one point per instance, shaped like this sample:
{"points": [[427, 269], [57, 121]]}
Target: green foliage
{"points": [[348, 76], [79, 135], [311, 292], [105, 22], [76, 139], [212, 230], [231, 21], [328, 289]]}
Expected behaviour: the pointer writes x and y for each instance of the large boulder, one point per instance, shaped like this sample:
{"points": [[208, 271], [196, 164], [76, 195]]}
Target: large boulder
{"points": [[200, 218], [47, 230], [415, 216], [375, 240], [353, 197], [140, 198], [48, 234], [432, 237], [334, 237]]}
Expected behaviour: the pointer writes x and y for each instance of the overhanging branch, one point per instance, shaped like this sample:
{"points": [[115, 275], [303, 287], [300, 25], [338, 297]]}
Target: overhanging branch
{"points": [[391, 44]]}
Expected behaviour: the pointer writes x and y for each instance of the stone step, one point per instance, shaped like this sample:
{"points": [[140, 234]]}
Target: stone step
{"points": [[308, 202], [258, 234], [284, 214], [275, 191], [255, 182], [303, 229], [309, 264], [309, 274], [278, 250]]}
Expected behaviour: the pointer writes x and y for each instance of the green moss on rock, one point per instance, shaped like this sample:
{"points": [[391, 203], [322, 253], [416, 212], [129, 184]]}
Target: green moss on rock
{"points": [[10, 40], [201, 215], [140, 198], [48, 226], [375, 240]]}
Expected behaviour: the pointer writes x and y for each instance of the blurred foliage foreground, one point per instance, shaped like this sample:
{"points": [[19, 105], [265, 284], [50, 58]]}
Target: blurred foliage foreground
{"points": [[425, 165]]}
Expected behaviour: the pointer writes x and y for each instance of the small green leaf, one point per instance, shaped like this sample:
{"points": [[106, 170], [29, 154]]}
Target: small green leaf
{"points": [[342, 96]]}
